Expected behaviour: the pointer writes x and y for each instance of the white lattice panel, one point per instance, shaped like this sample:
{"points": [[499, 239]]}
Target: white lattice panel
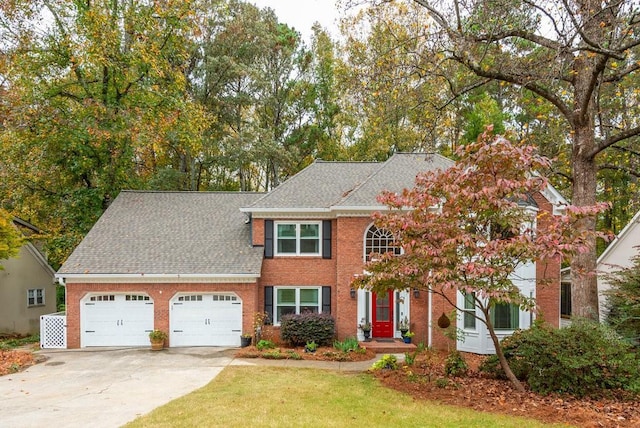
{"points": [[53, 331]]}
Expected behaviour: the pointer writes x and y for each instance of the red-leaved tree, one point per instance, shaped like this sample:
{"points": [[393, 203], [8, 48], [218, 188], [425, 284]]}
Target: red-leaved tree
{"points": [[471, 227]]}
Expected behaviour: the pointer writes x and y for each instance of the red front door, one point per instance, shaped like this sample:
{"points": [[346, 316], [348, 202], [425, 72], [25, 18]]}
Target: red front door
{"points": [[383, 315]]}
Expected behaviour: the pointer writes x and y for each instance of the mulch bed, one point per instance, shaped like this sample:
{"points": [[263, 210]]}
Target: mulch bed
{"points": [[425, 380], [12, 361]]}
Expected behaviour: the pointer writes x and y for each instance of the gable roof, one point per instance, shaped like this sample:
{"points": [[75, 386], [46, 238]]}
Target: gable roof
{"points": [[329, 186], [169, 234], [624, 246]]}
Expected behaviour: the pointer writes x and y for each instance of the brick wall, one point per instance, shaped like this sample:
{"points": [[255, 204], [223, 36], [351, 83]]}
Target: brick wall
{"points": [[547, 274], [350, 262]]}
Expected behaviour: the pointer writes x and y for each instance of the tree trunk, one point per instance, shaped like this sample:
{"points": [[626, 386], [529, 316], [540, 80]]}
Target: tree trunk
{"points": [[584, 284], [503, 360]]}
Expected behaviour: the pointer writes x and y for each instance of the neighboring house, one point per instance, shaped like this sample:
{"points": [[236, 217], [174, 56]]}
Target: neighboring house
{"points": [[27, 288], [200, 265], [617, 256]]}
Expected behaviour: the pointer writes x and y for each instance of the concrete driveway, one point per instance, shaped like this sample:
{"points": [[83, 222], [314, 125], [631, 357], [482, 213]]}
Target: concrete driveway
{"points": [[104, 387]]}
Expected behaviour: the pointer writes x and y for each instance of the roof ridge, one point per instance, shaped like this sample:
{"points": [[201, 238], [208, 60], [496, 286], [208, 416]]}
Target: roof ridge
{"points": [[192, 192]]}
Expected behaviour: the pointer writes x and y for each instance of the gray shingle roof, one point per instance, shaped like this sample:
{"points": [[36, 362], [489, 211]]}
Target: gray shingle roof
{"points": [[397, 173], [199, 233], [320, 185], [349, 184]]}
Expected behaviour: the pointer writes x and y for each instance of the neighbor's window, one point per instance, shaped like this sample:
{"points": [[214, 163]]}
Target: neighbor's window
{"points": [[35, 297], [296, 300], [298, 238], [505, 316]]}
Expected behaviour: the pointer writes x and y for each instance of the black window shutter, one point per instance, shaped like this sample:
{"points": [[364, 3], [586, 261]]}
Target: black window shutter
{"points": [[326, 239], [268, 302], [326, 300], [268, 239]]}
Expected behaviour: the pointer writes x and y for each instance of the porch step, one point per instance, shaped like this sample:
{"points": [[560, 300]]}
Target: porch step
{"points": [[389, 346]]}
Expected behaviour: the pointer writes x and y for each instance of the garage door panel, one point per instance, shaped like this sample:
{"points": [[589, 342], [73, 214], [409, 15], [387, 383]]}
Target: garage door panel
{"points": [[116, 320], [206, 320]]}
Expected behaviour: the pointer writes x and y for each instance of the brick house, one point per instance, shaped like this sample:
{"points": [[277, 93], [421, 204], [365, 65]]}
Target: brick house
{"points": [[200, 264]]}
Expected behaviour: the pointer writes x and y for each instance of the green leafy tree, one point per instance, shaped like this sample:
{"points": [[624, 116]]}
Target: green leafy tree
{"points": [[465, 230], [391, 106], [94, 93], [623, 301], [10, 237]]}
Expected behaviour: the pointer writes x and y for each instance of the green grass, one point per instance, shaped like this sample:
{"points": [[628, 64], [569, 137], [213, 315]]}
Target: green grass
{"points": [[244, 396]]}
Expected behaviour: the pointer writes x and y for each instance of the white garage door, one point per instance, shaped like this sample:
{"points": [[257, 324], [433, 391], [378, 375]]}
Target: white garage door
{"points": [[116, 320], [206, 320]]}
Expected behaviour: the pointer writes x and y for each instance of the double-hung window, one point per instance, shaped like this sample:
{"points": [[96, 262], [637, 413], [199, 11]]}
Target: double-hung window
{"points": [[505, 316], [35, 297], [469, 319], [296, 300], [298, 239]]}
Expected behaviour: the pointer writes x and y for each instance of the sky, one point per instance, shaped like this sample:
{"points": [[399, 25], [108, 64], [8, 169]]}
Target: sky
{"points": [[301, 14]]}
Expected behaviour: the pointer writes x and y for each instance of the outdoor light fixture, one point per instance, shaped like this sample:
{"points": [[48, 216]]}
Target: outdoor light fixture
{"points": [[416, 293], [352, 292]]}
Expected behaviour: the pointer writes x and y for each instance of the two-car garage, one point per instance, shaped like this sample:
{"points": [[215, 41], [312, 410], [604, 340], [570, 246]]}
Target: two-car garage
{"points": [[195, 319]]}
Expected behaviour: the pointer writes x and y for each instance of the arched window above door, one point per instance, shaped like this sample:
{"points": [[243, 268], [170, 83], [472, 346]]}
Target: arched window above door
{"points": [[379, 241]]}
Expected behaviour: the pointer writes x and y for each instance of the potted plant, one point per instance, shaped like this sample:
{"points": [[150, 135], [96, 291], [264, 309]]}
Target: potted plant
{"points": [[157, 338], [407, 336], [404, 326], [365, 326], [245, 340]]}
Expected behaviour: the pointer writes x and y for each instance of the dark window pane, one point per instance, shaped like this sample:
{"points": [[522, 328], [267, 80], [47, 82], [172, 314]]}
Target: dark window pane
{"points": [[287, 246], [309, 246]]}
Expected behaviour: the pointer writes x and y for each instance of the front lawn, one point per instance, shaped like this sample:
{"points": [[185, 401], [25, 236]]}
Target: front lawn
{"points": [[244, 396]]}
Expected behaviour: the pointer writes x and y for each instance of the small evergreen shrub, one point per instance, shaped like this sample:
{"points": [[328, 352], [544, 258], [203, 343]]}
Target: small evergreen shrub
{"points": [[387, 361], [585, 359], [455, 364], [265, 344], [299, 329]]}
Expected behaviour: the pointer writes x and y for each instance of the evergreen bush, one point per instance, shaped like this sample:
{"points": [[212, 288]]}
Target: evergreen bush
{"points": [[585, 359], [298, 329]]}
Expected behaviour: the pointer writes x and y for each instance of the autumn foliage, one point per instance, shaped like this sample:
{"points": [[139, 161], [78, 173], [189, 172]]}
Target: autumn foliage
{"points": [[473, 226]]}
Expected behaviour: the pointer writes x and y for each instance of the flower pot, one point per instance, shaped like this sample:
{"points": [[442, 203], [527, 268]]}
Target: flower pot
{"points": [[157, 345], [245, 341], [367, 334], [406, 339], [403, 331]]}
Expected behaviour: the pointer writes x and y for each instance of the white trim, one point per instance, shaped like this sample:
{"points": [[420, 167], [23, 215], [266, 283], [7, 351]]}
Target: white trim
{"points": [[157, 278], [271, 211], [557, 200], [620, 237]]}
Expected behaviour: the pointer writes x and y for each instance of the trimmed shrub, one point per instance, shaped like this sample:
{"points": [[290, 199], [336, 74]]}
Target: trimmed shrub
{"points": [[585, 359], [297, 330], [455, 364]]}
